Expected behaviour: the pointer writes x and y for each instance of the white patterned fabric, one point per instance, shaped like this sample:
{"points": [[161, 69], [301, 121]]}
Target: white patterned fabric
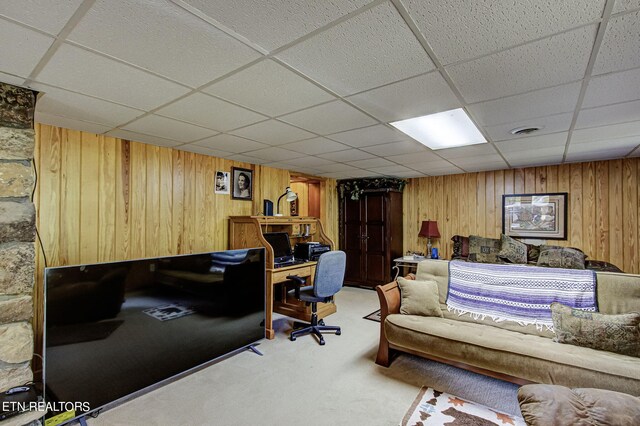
{"points": [[518, 293]]}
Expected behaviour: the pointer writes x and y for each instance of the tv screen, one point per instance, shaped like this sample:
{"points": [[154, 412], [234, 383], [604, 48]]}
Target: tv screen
{"points": [[281, 245], [114, 329]]}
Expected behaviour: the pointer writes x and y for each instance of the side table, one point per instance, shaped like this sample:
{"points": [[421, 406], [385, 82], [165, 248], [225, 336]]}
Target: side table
{"points": [[407, 263]]}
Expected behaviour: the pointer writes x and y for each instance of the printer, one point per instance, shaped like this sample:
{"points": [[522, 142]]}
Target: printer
{"points": [[310, 251]]}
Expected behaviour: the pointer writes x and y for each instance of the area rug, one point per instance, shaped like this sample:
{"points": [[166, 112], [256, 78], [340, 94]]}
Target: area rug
{"points": [[373, 316], [434, 408]]}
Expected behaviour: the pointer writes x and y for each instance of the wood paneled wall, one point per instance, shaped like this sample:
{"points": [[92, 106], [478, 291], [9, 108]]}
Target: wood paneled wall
{"points": [[105, 199], [603, 206]]}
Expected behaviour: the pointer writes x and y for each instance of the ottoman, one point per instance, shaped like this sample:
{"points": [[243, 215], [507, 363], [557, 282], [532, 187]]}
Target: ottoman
{"points": [[545, 405]]}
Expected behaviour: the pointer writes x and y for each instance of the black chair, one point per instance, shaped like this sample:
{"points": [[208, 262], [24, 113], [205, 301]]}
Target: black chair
{"points": [[326, 283]]}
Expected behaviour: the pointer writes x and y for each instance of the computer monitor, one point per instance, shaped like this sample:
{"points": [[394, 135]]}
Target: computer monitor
{"points": [[281, 245]]}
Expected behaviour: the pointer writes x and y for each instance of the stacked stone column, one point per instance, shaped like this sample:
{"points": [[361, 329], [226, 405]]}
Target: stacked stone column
{"points": [[17, 235]]}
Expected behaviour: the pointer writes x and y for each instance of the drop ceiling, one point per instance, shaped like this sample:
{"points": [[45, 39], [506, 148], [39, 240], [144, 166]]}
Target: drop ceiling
{"points": [[311, 86]]}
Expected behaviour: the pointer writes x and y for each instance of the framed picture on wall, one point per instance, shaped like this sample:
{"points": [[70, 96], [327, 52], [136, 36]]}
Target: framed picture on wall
{"points": [[542, 216], [222, 183], [242, 183]]}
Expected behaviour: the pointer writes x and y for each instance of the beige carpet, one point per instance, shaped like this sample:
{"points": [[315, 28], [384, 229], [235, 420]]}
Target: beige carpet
{"points": [[303, 383]]}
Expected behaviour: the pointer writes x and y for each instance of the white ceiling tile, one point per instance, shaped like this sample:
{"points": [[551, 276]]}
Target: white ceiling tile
{"points": [[204, 150], [315, 146], [613, 88], [390, 170], [541, 160], [21, 49], [623, 5], [373, 48], [534, 144], [409, 174], [348, 155], [285, 166], [12, 79], [70, 123], [104, 78], [611, 114], [467, 151], [161, 37], [244, 158], [363, 174], [139, 137], [602, 150], [606, 133], [278, 24], [39, 13], [436, 170], [459, 30], [422, 95], [269, 88], [371, 163], [336, 167], [416, 158], [486, 166], [207, 111], [478, 160], [311, 161], [274, 153], [68, 104], [329, 118], [338, 175], [396, 148], [620, 45], [273, 132], [551, 124], [539, 103], [373, 135], [167, 128], [551, 61], [231, 143]]}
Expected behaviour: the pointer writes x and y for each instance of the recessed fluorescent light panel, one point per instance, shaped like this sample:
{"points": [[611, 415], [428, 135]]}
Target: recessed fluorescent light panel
{"points": [[447, 129]]}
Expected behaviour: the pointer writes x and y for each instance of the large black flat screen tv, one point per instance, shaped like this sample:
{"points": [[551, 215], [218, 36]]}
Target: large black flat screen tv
{"points": [[113, 330]]}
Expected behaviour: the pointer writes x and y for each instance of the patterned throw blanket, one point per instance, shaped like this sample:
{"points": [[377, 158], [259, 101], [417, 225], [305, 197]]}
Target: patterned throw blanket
{"points": [[517, 292]]}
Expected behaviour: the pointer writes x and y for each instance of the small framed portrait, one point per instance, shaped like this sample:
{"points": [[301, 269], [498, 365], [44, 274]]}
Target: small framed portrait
{"points": [[242, 184], [222, 183]]}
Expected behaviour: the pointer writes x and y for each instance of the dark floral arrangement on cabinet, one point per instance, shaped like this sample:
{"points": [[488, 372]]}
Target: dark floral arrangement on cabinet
{"points": [[355, 187]]}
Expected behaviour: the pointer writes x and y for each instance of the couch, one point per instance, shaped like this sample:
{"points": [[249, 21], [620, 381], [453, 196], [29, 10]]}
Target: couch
{"points": [[509, 351]]}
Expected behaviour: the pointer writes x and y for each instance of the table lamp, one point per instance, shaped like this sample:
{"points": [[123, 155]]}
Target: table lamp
{"points": [[290, 197], [429, 230]]}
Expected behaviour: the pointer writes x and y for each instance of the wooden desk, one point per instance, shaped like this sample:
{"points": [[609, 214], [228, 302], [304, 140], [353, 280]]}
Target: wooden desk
{"points": [[246, 232]]}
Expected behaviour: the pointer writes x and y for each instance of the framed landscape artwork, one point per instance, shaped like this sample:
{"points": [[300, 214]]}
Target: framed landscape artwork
{"points": [[541, 216]]}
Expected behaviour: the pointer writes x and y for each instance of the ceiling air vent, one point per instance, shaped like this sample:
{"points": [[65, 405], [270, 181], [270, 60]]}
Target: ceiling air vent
{"points": [[524, 130]]}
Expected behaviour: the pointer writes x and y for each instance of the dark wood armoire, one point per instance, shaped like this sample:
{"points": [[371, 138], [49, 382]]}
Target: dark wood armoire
{"points": [[371, 236]]}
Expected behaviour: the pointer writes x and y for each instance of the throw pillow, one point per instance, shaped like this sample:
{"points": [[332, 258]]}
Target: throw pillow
{"points": [[460, 247], [561, 257], [600, 265], [533, 253], [512, 251], [419, 298], [484, 250], [613, 333]]}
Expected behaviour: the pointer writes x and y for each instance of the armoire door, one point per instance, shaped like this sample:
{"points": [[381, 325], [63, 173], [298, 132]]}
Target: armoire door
{"points": [[374, 241], [352, 240]]}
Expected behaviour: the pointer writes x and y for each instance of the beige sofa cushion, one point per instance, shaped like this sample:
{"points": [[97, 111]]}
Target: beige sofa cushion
{"points": [[419, 297]]}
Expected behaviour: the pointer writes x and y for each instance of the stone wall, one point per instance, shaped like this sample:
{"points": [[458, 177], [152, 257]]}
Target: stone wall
{"points": [[17, 235]]}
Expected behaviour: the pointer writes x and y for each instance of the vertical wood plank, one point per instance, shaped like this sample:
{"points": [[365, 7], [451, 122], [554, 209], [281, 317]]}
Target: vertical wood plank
{"points": [[89, 203], [530, 180], [575, 213], [616, 221], [481, 212], [138, 200], [69, 239], [602, 213], [107, 195], [630, 191], [123, 200], [490, 205], [589, 226], [177, 206], [165, 211]]}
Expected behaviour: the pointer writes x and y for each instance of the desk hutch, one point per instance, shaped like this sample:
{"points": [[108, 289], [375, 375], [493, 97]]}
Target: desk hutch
{"points": [[246, 232]]}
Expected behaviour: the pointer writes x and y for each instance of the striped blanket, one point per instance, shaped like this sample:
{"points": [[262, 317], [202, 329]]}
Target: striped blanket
{"points": [[517, 292]]}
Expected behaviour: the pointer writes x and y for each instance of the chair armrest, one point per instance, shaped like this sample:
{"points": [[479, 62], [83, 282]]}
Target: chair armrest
{"points": [[298, 280], [389, 296]]}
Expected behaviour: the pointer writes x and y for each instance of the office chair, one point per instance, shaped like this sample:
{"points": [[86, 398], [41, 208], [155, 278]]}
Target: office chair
{"points": [[326, 282]]}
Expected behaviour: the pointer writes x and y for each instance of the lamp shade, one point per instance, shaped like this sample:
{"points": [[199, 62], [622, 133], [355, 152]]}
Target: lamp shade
{"points": [[429, 229], [290, 196]]}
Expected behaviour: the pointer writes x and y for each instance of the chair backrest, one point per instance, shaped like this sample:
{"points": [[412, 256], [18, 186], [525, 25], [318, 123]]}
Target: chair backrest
{"points": [[329, 273]]}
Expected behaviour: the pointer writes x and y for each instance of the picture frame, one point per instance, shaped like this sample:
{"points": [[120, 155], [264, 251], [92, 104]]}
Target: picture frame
{"points": [[242, 184], [221, 184], [542, 216]]}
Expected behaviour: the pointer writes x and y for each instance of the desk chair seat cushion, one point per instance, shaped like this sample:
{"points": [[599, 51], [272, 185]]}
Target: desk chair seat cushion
{"points": [[307, 294]]}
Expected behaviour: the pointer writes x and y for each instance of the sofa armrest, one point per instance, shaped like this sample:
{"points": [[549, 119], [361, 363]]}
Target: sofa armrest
{"points": [[389, 296]]}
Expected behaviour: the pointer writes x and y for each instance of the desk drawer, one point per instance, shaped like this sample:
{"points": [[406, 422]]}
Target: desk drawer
{"points": [[304, 271]]}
